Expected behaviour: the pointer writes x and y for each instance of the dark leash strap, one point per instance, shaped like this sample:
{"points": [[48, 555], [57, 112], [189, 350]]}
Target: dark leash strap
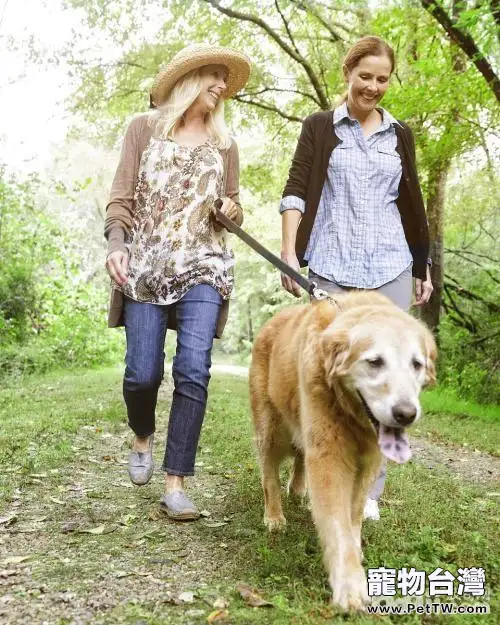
{"points": [[309, 286]]}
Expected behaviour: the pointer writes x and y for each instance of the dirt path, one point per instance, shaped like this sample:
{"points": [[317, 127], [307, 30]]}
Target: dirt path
{"points": [[465, 464], [91, 541]]}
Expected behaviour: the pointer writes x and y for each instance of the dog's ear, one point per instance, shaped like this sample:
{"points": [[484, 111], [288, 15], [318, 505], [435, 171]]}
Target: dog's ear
{"points": [[430, 351], [335, 349]]}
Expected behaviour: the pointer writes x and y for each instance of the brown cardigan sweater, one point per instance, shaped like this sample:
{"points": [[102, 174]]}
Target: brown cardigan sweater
{"points": [[120, 208], [308, 173]]}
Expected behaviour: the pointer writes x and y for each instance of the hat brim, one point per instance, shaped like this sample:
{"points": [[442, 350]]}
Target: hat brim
{"points": [[237, 64]]}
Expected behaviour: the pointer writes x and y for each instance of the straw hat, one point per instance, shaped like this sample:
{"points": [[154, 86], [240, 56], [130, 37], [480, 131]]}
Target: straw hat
{"points": [[198, 55]]}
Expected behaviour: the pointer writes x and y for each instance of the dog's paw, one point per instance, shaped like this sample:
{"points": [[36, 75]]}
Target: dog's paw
{"points": [[350, 592], [296, 488], [275, 524]]}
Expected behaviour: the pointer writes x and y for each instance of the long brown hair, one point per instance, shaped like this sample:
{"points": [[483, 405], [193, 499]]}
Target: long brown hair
{"points": [[367, 46]]}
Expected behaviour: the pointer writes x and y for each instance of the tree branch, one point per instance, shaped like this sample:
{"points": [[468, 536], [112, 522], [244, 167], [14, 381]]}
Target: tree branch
{"points": [[267, 89], [463, 256], [268, 107], [307, 6], [493, 260], [491, 306], [466, 43], [482, 339], [290, 36], [462, 319], [495, 11], [125, 94], [245, 17], [131, 64]]}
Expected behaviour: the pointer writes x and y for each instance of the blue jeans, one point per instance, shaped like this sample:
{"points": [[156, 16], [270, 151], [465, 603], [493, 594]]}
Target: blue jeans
{"points": [[145, 328]]}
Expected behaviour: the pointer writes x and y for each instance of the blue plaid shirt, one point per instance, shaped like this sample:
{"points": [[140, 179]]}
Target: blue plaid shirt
{"points": [[357, 239]]}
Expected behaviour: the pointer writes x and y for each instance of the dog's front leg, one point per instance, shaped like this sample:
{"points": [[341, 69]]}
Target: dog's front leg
{"points": [[366, 475], [270, 458], [331, 485]]}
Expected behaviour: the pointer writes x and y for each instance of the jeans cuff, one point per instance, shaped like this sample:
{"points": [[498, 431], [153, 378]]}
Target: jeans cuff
{"points": [[177, 472]]}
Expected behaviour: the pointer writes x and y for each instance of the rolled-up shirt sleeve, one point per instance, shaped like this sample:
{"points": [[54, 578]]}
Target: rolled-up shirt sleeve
{"points": [[292, 202]]}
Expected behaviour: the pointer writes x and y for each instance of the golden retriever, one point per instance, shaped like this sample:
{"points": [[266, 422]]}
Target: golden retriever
{"points": [[334, 386]]}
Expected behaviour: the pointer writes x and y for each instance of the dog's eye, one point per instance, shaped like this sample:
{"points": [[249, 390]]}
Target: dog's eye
{"points": [[376, 363], [417, 365]]}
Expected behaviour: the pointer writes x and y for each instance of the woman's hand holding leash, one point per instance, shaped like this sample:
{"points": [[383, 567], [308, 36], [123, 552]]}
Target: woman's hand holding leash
{"points": [[291, 286], [226, 206], [423, 289], [117, 266]]}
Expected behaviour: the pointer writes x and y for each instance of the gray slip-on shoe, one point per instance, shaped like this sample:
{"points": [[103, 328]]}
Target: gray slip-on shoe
{"points": [[179, 507], [140, 465]]}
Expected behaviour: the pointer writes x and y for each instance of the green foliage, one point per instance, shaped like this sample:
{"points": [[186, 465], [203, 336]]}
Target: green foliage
{"points": [[48, 310], [436, 88], [17, 280], [470, 329]]}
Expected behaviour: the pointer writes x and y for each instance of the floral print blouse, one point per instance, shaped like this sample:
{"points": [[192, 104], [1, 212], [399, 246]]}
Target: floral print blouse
{"points": [[173, 245]]}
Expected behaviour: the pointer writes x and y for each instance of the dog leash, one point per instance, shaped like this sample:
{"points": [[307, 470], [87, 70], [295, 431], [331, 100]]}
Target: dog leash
{"points": [[308, 285]]}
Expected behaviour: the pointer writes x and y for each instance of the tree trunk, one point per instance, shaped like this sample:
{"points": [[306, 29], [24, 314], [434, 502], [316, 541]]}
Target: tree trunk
{"points": [[435, 214], [250, 323]]}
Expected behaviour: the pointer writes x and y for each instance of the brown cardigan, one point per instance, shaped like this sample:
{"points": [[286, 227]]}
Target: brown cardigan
{"points": [[308, 173], [120, 208]]}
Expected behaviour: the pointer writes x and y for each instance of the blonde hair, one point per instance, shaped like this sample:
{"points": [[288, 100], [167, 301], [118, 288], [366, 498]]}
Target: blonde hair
{"points": [[366, 46], [167, 118]]}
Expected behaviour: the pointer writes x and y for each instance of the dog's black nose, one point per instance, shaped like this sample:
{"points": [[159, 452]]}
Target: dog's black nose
{"points": [[404, 412]]}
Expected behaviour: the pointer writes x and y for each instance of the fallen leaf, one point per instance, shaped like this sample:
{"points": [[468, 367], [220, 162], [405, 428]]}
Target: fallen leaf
{"points": [[186, 597], [215, 523], [218, 616], [252, 598], [59, 501], [100, 529], [39, 475], [8, 520], [205, 513], [220, 603], [15, 560], [8, 572], [155, 515]]}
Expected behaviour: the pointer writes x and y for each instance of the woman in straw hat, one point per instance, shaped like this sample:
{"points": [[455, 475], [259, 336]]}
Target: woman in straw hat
{"points": [[168, 257]]}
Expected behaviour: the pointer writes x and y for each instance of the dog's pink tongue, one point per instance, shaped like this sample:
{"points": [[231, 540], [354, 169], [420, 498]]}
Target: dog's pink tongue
{"points": [[394, 444]]}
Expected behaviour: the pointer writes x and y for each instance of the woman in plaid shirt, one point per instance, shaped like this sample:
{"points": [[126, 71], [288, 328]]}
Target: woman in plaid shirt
{"points": [[352, 208]]}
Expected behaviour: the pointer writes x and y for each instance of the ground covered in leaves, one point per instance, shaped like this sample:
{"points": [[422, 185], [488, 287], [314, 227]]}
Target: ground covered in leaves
{"points": [[79, 544]]}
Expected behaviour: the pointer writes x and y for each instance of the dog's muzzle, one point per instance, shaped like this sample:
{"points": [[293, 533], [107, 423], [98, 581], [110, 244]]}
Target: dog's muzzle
{"points": [[393, 442]]}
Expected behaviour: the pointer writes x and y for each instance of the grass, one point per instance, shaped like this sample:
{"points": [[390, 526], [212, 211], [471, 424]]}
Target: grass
{"points": [[450, 419], [59, 427]]}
